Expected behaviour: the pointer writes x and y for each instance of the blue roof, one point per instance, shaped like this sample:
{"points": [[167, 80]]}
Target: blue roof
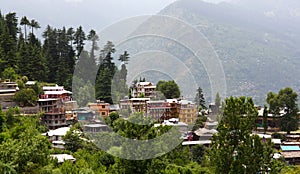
{"points": [[290, 148]]}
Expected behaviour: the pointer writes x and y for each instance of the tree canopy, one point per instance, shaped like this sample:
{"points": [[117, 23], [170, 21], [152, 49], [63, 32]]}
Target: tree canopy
{"points": [[234, 149], [169, 89], [286, 101]]}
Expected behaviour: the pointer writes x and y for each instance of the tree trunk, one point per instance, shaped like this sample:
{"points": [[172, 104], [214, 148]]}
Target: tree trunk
{"points": [[25, 32]]}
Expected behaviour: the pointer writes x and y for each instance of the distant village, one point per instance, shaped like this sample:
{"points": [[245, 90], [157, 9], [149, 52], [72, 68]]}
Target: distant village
{"points": [[60, 111]]}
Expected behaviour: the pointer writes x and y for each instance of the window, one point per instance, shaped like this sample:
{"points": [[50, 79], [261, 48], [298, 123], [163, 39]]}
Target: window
{"points": [[103, 113], [103, 106], [56, 121]]}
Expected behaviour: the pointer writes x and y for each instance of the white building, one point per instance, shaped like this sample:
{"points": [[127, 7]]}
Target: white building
{"points": [[143, 88], [55, 137]]}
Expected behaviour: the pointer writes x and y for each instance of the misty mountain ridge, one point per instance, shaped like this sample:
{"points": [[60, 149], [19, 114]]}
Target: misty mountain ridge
{"points": [[256, 41]]}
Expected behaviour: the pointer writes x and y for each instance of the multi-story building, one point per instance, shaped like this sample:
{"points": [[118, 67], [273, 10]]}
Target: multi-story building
{"points": [[52, 104], [57, 92], [125, 104], [146, 89], [56, 137], [174, 108], [7, 91], [158, 110], [54, 112], [139, 104], [100, 107], [188, 111]]}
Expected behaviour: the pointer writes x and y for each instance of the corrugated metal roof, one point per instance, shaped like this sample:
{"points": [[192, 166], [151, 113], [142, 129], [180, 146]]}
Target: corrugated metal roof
{"points": [[203, 142], [7, 90], [57, 132], [63, 157], [140, 99], [290, 148], [57, 92]]}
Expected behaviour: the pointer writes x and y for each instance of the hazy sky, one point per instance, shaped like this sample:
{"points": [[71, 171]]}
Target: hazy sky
{"points": [[94, 14]]}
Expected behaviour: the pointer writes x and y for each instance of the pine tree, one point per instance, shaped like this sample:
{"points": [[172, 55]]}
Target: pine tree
{"points": [[218, 102], [105, 75], [12, 25], [70, 35], [36, 63], [124, 58], [109, 48], [86, 68], [50, 51], [79, 38], [199, 99], [66, 58], [93, 37], [8, 40]]}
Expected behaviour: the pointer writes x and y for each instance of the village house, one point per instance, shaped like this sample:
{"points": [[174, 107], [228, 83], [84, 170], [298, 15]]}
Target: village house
{"points": [[100, 107], [52, 104], [183, 127], [95, 128], [125, 104], [174, 108], [63, 157], [85, 114], [291, 154], [139, 104], [161, 110], [273, 121], [158, 110], [7, 91], [55, 137], [71, 117], [145, 89]]}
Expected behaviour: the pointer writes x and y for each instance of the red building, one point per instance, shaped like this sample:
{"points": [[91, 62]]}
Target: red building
{"points": [[52, 104]]}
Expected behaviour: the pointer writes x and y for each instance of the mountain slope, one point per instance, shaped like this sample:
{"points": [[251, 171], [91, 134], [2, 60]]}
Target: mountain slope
{"points": [[258, 43]]}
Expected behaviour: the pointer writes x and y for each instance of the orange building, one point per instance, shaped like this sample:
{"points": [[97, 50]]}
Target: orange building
{"points": [[101, 108], [188, 111]]}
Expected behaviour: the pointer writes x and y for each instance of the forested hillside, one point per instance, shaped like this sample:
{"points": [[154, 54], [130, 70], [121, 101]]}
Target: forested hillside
{"points": [[53, 59]]}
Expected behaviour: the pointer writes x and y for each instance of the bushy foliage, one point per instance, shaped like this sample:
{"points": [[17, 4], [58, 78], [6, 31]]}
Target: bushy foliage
{"points": [[170, 89], [26, 97]]}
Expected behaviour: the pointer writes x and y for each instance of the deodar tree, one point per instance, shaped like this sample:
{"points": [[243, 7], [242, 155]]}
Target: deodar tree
{"points": [[234, 149], [199, 99]]}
